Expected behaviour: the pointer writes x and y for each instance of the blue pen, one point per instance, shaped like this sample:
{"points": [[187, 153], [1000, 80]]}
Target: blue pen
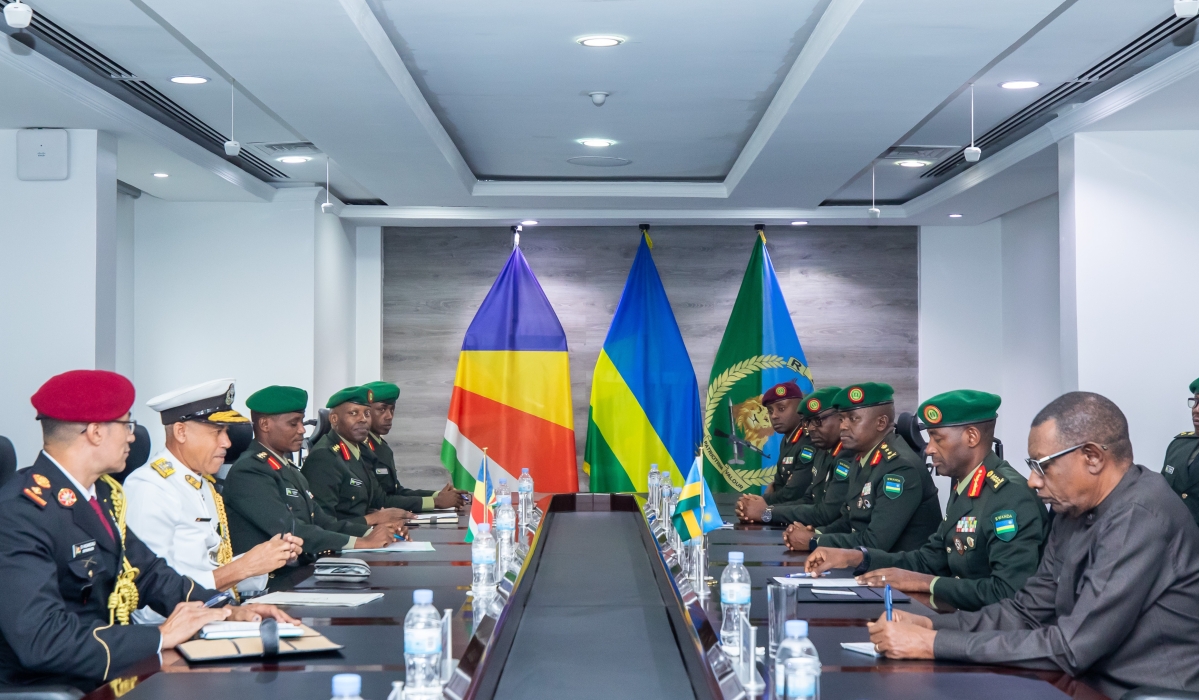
{"points": [[804, 574], [887, 600]]}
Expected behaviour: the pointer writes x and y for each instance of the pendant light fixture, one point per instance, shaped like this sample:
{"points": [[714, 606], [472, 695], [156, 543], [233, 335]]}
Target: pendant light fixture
{"points": [[874, 211], [328, 205], [232, 147], [972, 153]]}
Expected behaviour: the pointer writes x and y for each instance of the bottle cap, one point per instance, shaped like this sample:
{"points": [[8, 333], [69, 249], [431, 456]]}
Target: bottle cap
{"points": [[524, 470], [653, 467], [678, 490], [795, 628], [347, 685], [422, 596], [503, 480], [736, 557], [483, 527]]}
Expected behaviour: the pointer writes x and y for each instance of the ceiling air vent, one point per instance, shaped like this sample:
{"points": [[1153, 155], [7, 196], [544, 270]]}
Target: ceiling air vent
{"points": [[286, 148], [364, 202], [931, 153]]}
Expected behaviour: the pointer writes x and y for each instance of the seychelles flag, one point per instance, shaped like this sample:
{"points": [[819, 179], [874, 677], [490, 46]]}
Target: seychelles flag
{"points": [[512, 390], [696, 512], [760, 349], [644, 397], [482, 500]]}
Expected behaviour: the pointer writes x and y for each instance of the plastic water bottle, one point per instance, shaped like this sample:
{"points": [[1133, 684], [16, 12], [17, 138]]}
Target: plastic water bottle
{"points": [[482, 563], [525, 493], [422, 646], [734, 603], [800, 679], [664, 486], [671, 506], [505, 527], [651, 497], [347, 686]]}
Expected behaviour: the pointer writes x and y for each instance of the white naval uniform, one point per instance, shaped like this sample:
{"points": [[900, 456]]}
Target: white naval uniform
{"points": [[177, 521]]}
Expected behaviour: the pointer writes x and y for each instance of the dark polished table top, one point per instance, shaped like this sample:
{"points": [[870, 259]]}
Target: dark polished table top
{"points": [[372, 634]]}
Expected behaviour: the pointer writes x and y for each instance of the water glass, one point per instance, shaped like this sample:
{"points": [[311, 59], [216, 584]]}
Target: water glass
{"points": [[782, 603]]}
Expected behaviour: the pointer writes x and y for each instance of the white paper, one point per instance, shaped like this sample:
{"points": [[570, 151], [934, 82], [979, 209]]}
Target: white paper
{"points": [[833, 591], [239, 630], [860, 648], [332, 600], [819, 582], [398, 547]]}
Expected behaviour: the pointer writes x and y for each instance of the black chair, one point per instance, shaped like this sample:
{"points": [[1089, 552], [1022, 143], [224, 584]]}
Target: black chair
{"points": [[241, 435], [323, 426], [909, 428], [8, 460], [43, 692], [1152, 693], [139, 452]]}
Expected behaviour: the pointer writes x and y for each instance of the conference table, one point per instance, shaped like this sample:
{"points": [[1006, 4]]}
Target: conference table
{"points": [[594, 612]]}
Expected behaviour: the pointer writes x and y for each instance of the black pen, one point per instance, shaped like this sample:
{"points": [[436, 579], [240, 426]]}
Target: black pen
{"points": [[218, 599]]}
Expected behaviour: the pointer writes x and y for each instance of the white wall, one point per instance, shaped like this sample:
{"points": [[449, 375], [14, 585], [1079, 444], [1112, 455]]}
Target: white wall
{"points": [[336, 290], [1135, 245], [58, 285], [223, 289], [368, 323]]}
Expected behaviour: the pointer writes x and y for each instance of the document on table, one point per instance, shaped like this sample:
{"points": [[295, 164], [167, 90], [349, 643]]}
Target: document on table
{"points": [[441, 516], [819, 582], [860, 648], [833, 591], [320, 600], [239, 630], [404, 546]]}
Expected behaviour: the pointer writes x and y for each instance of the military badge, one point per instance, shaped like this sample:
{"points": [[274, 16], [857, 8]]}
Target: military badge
{"points": [[41, 502], [229, 396], [193, 481], [274, 463], [1169, 469], [66, 498], [370, 396], [41, 481], [1005, 525], [813, 406], [341, 448], [806, 455], [856, 395], [356, 482], [970, 542], [788, 460], [866, 489], [996, 480], [293, 493], [893, 486], [958, 546], [976, 483], [932, 414], [967, 524], [841, 473]]}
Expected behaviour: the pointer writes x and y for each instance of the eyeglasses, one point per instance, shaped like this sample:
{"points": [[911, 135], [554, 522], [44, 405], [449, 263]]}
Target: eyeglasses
{"points": [[130, 424], [1038, 465], [1192, 401]]}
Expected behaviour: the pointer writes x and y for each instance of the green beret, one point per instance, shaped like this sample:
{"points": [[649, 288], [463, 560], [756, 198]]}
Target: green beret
{"points": [[278, 399], [961, 407], [862, 395], [384, 391], [819, 400], [1195, 387], [360, 395]]}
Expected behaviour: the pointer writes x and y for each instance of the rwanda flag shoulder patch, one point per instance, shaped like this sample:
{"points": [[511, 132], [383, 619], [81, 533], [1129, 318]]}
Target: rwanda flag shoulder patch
{"points": [[893, 486], [1005, 525], [841, 473], [806, 455]]}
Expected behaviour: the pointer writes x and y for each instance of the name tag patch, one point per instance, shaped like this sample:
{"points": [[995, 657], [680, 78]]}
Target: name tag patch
{"points": [[806, 455], [293, 493], [967, 524], [892, 486], [83, 548], [381, 470], [355, 482]]}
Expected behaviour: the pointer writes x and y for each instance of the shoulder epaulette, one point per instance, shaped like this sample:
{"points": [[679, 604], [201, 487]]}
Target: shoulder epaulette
{"points": [[997, 481], [163, 467], [34, 493], [260, 456], [1187, 434], [888, 452]]}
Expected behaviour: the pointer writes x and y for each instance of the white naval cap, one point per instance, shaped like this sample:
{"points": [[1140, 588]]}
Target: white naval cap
{"points": [[211, 402]]}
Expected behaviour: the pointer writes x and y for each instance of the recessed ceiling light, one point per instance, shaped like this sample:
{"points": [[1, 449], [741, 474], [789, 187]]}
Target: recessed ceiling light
{"points": [[597, 143], [599, 42], [799, 223], [1019, 84], [294, 160], [955, 216], [162, 175], [528, 222], [911, 163], [189, 79]]}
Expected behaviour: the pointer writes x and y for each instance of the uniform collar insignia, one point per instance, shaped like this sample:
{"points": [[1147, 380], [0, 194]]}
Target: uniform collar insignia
{"points": [[976, 481], [41, 481]]}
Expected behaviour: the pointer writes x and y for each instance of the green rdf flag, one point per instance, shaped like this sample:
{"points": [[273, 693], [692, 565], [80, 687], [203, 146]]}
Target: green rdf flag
{"points": [[760, 349]]}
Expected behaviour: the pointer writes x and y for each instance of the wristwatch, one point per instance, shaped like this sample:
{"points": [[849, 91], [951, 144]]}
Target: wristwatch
{"points": [[865, 565], [768, 514]]}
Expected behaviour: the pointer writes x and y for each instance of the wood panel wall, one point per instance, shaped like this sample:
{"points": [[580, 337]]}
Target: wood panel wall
{"points": [[852, 293]]}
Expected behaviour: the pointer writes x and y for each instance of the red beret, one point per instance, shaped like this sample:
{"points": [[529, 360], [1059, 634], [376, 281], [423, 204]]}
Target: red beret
{"points": [[84, 396], [778, 392]]}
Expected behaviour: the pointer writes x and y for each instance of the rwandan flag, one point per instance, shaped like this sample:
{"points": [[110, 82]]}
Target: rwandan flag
{"points": [[696, 512], [512, 390], [481, 501], [644, 397], [759, 349]]}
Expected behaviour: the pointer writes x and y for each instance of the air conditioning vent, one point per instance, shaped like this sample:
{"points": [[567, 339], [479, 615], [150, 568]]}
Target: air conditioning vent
{"points": [[364, 202], [932, 153], [286, 148]]}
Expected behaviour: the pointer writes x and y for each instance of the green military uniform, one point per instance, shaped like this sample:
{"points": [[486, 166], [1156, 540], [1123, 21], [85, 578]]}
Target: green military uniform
{"points": [[796, 469], [893, 503], [1181, 470], [826, 495], [380, 462], [340, 481], [989, 543], [266, 495]]}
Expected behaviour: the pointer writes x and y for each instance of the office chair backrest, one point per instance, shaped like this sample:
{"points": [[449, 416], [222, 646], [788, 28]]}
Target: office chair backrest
{"points": [[908, 428], [8, 460], [139, 453], [241, 435]]}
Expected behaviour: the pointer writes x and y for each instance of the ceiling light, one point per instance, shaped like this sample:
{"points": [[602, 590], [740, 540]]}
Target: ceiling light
{"points": [[911, 163], [955, 216], [799, 223], [189, 79], [294, 160], [597, 143], [1019, 84], [162, 175], [528, 222], [599, 42]]}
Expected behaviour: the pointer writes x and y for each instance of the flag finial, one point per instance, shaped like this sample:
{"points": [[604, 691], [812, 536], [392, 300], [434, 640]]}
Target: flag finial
{"points": [[516, 236], [645, 232], [761, 229]]}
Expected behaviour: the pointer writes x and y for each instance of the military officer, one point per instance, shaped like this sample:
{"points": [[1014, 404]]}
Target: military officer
{"points": [[1181, 467], [174, 506], [71, 570], [381, 463], [990, 541], [267, 495], [799, 458], [1115, 601], [339, 480], [831, 469], [893, 502]]}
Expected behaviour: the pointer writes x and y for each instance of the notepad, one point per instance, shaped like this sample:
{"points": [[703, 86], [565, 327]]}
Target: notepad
{"points": [[240, 630], [397, 547], [861, 648], [819, 582], [321, 600]]}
